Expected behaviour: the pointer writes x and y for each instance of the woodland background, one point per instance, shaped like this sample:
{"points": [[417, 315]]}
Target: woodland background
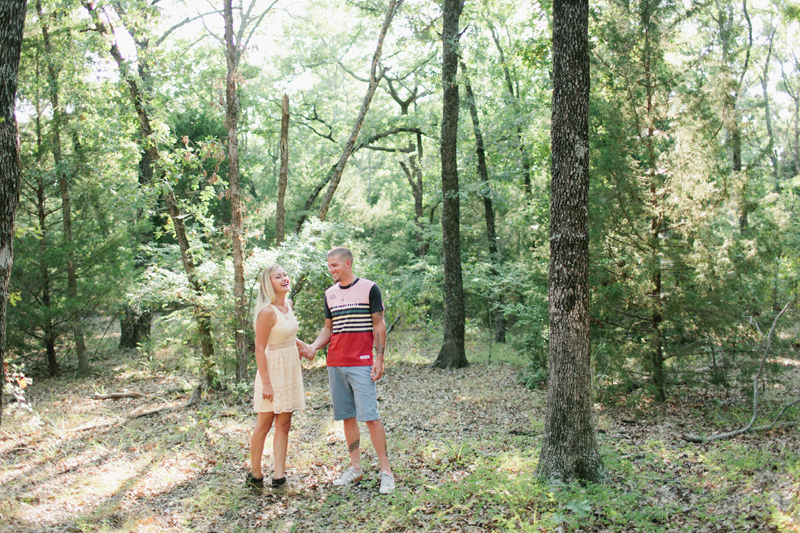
{"points": [[695, 158]]}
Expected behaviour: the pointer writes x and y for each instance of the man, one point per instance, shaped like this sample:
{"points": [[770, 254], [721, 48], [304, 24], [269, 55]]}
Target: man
{"points": [[353, 324]]}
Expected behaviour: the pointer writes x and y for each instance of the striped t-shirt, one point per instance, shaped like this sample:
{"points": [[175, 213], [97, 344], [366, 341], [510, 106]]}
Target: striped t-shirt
{"points": [[350, 310]]}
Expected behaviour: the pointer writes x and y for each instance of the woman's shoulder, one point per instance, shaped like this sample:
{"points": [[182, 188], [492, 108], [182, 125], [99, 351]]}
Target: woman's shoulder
{"points": [[266, 313]]}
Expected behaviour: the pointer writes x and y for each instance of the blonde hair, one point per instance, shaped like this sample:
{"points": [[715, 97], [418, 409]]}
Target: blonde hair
{"points": [[266, 294]]}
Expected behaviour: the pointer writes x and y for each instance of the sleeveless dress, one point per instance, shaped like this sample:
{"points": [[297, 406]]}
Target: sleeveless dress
{"points": [[285, 372]]}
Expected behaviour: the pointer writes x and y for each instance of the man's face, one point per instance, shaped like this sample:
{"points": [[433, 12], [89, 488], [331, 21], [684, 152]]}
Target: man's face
{"points": [[337, 267]]}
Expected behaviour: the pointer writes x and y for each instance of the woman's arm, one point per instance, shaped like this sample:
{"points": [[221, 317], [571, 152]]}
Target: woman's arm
{"points": [[266, 319]]}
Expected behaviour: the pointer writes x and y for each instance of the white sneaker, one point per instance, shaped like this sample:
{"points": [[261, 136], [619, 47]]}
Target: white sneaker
{"points": [[387, 482], [350, 476]]}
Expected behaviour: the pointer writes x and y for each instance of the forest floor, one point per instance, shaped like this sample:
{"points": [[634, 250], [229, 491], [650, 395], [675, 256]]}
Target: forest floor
{"points": [[463, 444]]}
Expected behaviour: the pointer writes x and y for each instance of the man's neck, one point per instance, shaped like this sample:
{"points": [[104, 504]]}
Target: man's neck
{"points": [[347, 281]]}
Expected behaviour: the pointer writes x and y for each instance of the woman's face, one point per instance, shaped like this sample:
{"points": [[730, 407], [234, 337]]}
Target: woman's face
{"points": [[280, 281]]}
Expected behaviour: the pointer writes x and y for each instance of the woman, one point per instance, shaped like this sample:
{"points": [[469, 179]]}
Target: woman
{"points": [[279, 380]]}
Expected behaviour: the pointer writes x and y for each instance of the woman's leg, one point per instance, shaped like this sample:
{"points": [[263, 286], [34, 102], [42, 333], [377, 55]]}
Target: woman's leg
{"points": [[280, 442], [263, 425]]}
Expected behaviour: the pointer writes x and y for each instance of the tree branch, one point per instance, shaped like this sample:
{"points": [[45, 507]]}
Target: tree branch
{"points": [[749, 426]]}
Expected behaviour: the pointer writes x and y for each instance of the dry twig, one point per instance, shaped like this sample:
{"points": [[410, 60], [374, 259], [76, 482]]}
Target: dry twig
{"points": [[749, 426]]}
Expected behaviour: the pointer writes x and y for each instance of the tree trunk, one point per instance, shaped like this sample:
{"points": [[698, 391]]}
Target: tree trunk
{"points": [[414, 176], [201, 314], [312, 197], [12, 22], [233, 54], [727, 30], [514, 99], [134, 323], [452, 354], [569, 448], [66, 210], [44, 279], [375, 77], [773, 157], [486, 192], [283, 177], [134, 326]]}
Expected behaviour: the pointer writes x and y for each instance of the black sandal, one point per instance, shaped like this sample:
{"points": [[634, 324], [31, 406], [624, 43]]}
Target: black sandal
{"points": [[254, 482]]}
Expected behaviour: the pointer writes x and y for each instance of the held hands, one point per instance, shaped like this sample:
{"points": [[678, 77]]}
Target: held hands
{"points": [[305, 350]]}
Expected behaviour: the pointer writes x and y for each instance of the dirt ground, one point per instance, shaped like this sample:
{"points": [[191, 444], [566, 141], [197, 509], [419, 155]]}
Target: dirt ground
{"points": [[74, 463]]}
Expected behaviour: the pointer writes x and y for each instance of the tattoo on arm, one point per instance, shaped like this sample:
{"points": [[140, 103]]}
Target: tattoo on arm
{"points": [[379, 349], [356, 444]]}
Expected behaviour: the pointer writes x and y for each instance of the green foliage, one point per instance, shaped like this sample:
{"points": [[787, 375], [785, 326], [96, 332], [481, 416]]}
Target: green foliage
{"points": [[667, 206]]}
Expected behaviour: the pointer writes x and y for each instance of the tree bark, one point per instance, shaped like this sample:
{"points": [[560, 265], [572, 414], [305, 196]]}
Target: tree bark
{"points": [[452, 354], [233, 54], [569, 448], [283, 176], [375, 76], [66, 209], [488, 209], [48, 328], [12, 22]]}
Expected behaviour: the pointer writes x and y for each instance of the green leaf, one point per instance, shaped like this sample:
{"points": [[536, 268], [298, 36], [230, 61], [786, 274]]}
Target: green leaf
{"points": [[581, 509]]}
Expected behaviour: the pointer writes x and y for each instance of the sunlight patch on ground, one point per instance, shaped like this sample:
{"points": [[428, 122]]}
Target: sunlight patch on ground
{"points": [[785, 361]]}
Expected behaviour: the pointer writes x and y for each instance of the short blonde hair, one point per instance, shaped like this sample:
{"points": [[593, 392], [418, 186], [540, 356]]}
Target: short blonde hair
{"points": [[266, 294]]}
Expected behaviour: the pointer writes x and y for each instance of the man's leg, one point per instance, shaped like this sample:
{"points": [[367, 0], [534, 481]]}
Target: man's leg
{"points": [[353, 437], [378, 435], [344, 409]]}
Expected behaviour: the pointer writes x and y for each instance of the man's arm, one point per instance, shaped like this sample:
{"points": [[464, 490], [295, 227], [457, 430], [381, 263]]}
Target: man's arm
{"points": [[324, 336], [379, 330]]}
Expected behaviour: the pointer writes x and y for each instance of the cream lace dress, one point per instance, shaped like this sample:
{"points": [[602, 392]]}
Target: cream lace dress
{"points": [[285, 371]]}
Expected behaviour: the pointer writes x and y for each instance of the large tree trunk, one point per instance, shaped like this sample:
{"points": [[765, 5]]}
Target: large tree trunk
{"points": [[66, 209], [233, 54], [283, 176], [375, 76], [12, 22], [452, 354], [569, 448], [488, 209]]}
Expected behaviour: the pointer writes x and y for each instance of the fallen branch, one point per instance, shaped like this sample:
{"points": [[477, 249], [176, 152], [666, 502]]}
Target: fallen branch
{"points": [[118, 395], [192, 401], [749, 426], [88, 427]]}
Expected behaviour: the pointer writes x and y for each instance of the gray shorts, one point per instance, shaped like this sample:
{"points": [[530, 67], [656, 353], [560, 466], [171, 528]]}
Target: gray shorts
{"points": [[353, 393]]}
